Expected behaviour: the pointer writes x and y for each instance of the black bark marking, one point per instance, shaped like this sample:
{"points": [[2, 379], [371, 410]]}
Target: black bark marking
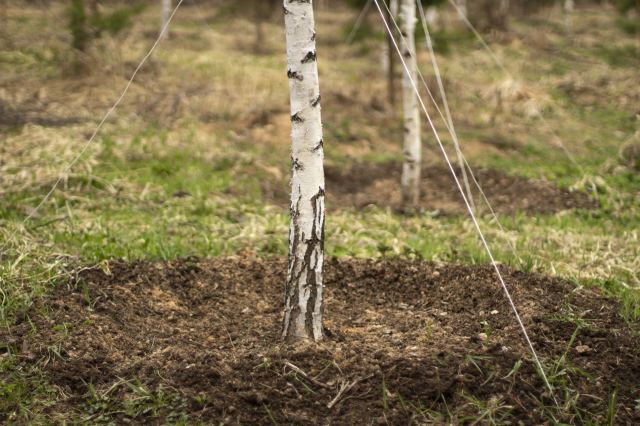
{"points": [[308, 264], [295, 209], [309, 57], [294, 75], [409, 161], [315, 244], [297, 165], [313, 37], [286, 11], [319, 146], [291, 290], [295, 118], [316, 101], [299, 1]]}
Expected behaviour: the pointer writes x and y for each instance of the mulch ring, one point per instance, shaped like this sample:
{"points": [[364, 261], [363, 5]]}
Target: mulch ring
{"points": [[408, 341], [363, 185]]}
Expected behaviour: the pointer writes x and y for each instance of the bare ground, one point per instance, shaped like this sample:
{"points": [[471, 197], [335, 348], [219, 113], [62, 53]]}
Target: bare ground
{"points": [[363, 185], [406, 340]]}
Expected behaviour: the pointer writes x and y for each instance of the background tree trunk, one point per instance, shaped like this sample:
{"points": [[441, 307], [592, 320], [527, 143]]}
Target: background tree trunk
{"points": [[389, 51], [499, 20], [166, 12], [567, 8], [303, 293], [412, 145], [257, 45], [433, 17]]}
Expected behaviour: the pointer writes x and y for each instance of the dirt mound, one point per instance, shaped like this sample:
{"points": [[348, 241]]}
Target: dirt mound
{"points": [[379, 185], [409, 342]]}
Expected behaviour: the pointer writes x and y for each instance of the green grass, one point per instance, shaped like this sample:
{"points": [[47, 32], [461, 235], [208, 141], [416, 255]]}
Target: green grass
{"points": [[620, 56], [629, 25]]}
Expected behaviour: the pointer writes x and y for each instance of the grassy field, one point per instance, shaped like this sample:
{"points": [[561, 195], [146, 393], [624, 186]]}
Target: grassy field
{"points": [[186, 164]]}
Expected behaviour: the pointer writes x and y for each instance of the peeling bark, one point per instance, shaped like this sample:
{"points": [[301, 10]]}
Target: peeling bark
{"points": [[303, 291], [412, 149]]}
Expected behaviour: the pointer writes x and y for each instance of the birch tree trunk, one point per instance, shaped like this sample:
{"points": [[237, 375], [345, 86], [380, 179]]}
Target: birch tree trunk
{"points": [[412, 149], [166, 12], [303, 292], [567, 8]]}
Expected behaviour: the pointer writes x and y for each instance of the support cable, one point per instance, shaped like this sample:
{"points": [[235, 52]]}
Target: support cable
{"points": [[359, 21], [452, 130], [448, 123], [470, 210], [449, 120], [68, 167]]}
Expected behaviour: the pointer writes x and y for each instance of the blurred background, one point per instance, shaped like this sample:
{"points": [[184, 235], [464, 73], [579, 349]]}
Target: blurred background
{"points": [[195, 159]]}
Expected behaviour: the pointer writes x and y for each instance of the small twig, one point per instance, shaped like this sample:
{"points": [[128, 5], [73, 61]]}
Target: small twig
{"points": [[294, 389], [306, 376], [233, 346], [49, 222], [359, 21], [346, 387]]}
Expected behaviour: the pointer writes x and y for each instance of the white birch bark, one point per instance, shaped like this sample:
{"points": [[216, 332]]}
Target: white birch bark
{"points": [[412, 149], [394, 8], [384, 59], [303, 292], [567, 8], [166, 13]]}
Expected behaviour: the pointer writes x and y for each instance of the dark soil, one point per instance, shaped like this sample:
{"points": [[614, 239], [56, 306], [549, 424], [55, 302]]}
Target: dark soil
{"points": [[363, 185], [380, 185], [413, 339]]}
